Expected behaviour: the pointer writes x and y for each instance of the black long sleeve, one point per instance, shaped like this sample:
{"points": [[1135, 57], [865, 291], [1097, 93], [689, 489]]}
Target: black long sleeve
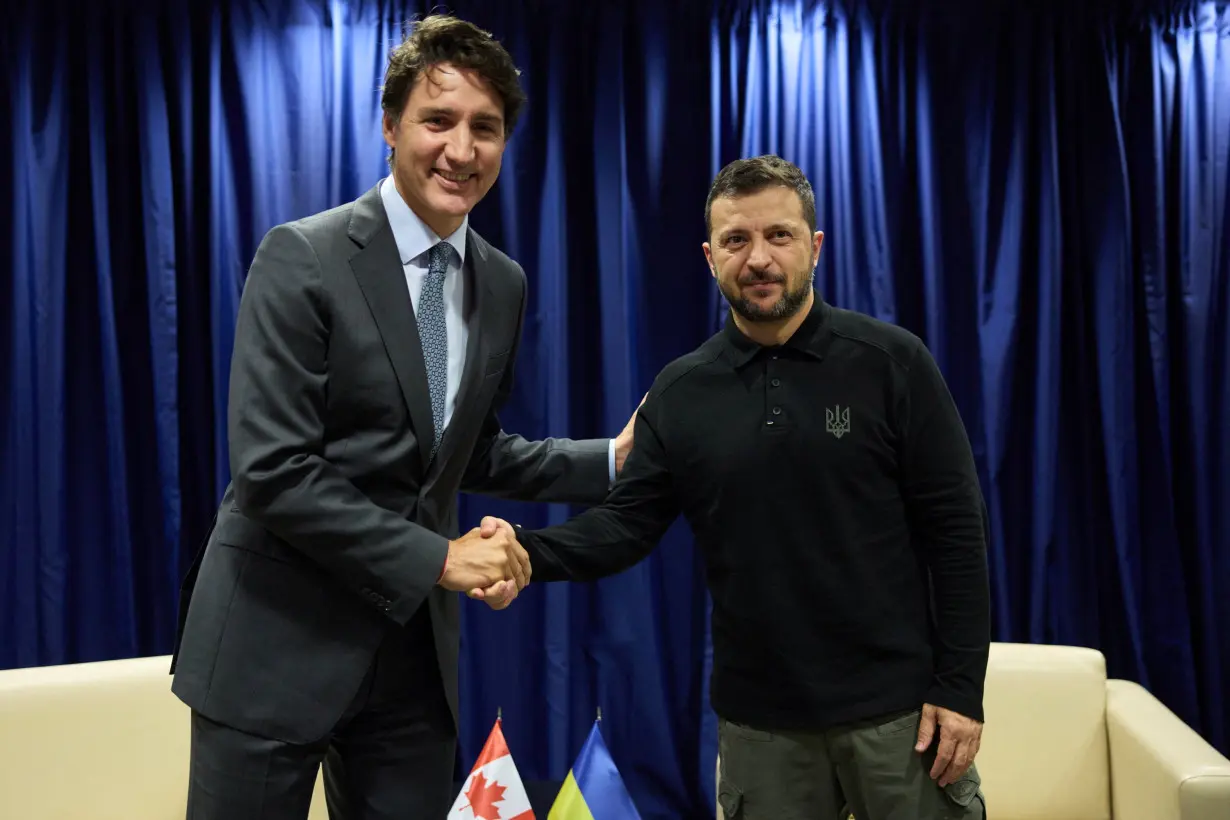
{"points": [[625, 528], [948, 522]]}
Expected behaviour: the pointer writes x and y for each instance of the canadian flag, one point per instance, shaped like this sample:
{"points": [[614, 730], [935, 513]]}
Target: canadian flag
{"points": [[493, 791]]}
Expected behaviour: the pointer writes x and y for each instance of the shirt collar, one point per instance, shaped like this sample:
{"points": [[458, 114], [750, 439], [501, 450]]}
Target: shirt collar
{"points": [[811, 337], [413, 236]]}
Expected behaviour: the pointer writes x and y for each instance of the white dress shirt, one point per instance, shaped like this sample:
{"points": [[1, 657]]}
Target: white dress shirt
{"points": [[414, 243]]}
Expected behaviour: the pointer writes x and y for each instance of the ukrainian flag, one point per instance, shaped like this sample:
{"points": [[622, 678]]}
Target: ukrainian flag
{"points": [[594, 789]]}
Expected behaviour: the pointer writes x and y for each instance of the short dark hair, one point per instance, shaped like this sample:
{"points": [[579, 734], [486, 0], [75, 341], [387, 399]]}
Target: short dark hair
{"points": [[442, 38], [752, 175]]}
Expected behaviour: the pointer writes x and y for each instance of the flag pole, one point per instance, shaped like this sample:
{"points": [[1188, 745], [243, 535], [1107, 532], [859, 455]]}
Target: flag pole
{"points": [[599, 714], [499, 714]]}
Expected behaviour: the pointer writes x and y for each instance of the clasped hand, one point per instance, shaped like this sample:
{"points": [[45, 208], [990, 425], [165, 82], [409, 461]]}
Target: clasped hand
{"points": [[488, 564]]}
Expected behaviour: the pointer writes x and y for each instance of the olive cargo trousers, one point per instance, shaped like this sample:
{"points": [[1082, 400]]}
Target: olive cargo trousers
{"points": [[869, 770]]}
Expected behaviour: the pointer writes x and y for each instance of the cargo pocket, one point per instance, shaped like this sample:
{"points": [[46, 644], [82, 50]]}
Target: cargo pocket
{"points": [[966, 797], [730, 800]]}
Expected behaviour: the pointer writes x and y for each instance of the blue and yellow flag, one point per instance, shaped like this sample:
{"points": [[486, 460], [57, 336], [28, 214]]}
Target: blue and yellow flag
{"points": [[594, 789]]}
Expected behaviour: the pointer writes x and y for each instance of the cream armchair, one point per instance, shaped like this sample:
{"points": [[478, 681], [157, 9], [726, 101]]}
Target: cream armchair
{"points": [[1061, 741], [96, 741]]}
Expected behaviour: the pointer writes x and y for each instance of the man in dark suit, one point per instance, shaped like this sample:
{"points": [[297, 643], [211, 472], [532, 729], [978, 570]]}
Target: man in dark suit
{"points": [[373, 345]]}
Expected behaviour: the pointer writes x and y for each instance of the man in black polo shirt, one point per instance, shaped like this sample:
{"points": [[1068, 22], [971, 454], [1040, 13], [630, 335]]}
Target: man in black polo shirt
{"points": [[826, 474]]}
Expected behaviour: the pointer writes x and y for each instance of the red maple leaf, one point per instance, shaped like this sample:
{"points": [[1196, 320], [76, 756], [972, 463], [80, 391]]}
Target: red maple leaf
{"points": [[483, 796]]}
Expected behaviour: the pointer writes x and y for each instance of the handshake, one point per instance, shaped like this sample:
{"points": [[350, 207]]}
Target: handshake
{"points": [[488, 564]]}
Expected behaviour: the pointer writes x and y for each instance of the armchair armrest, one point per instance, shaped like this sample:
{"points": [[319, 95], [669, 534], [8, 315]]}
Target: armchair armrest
{"points": [[1160, 769]]}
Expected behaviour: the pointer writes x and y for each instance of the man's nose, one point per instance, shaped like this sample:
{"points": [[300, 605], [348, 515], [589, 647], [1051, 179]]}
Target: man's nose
{"points": [[758, 257], [460, 147]]}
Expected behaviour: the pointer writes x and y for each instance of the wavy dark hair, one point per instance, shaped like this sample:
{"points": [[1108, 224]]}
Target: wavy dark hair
{"points": [[754, 174], [442, 38]]}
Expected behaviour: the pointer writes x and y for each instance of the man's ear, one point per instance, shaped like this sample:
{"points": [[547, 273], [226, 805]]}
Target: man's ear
{"points": [[389, 127]]}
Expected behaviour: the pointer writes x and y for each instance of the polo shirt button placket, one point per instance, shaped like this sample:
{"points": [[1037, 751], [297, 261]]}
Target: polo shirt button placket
{"points": [[774, 382]]}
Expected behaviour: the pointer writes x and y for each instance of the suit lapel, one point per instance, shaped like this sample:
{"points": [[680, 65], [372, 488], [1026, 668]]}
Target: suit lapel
{"points": [[478, 284], [377, 266]]}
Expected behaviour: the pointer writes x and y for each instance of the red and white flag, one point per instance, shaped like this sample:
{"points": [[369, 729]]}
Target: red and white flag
{"points": [[493, 791]]}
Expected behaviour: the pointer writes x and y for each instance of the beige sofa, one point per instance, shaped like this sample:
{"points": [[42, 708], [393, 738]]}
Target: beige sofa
{"points": [[98, 741], [1062, 742]]}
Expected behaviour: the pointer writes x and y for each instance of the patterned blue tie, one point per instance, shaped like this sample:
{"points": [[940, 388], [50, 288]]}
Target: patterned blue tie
{"points": [[434, 336]]}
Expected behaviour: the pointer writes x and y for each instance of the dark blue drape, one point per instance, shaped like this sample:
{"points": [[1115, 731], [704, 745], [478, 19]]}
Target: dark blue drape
{"points": [[1040, 195]]}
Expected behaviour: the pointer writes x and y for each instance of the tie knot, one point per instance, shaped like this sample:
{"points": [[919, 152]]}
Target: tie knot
{"points": [[439, 257]]}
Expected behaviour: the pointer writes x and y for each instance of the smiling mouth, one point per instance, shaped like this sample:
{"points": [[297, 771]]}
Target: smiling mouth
{"points": [[451, 177]]}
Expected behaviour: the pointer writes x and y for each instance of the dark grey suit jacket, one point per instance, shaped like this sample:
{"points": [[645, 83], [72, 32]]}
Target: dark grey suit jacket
{"points": [[336, 523]]}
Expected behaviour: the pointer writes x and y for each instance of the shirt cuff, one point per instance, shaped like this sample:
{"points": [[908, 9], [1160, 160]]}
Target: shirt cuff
{"points": [[966, 704], [610, 464]]}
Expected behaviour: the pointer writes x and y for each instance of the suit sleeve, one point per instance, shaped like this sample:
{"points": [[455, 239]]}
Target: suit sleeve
{"points": [[276, 425], [554, 470], [624, 529], [948, 521]]}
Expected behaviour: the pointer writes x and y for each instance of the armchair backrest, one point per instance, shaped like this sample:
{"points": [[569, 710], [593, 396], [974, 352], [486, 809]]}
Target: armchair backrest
{"points": [[1044, 747]]}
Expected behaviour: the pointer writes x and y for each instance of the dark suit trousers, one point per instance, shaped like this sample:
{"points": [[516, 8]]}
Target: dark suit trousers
{"points": [[390, 756]]}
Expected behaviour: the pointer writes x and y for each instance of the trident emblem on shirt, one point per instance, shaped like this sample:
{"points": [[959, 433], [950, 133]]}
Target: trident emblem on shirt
{"points": [[837, 421]]}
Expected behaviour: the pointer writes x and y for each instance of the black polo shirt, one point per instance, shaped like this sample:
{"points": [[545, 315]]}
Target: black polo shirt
{"points": [[832, 492]]}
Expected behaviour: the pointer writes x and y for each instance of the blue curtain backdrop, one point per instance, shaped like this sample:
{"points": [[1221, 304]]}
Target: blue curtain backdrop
{"points": [[1040, 194]]}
